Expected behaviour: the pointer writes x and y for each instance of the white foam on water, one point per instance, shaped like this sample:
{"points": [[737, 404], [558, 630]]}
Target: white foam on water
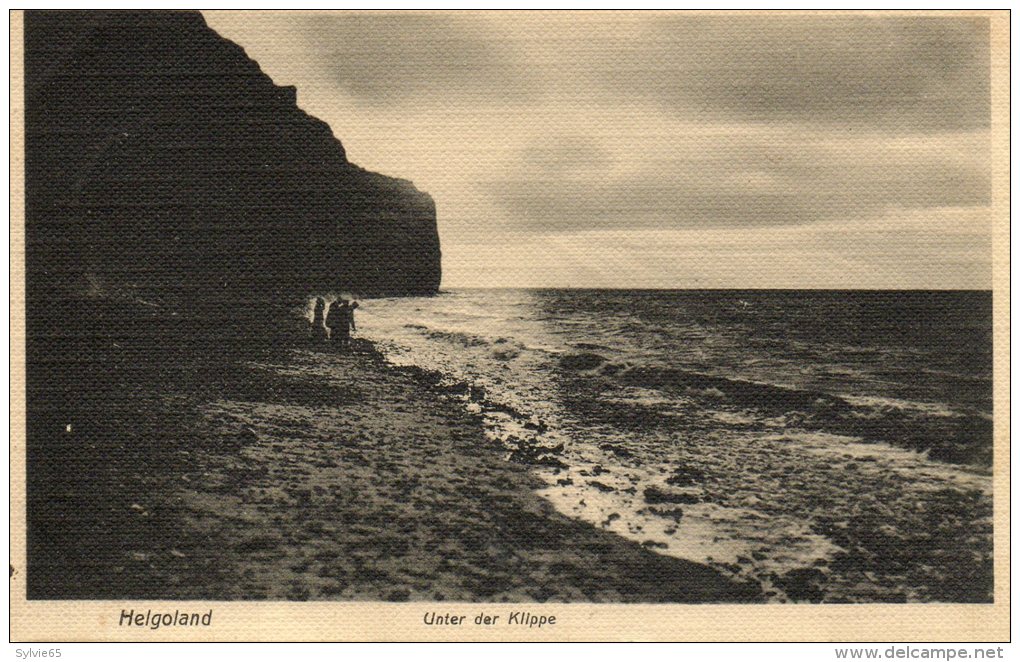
{"points": [[926, 408], [879, 457], [743, 542]]}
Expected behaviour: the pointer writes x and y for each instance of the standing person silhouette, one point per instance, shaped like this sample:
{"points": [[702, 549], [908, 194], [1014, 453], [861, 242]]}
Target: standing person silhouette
{"points": [[350, 318], [318, 319], [339, 322]]}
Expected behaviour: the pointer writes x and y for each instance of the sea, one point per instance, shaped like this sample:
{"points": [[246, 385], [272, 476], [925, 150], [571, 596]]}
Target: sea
{"points": [[830, 446]]}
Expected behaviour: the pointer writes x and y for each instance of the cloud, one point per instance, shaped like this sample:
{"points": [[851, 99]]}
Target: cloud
{"points": [[905, 73], [399, 57], [565, 156], [739, 180]]}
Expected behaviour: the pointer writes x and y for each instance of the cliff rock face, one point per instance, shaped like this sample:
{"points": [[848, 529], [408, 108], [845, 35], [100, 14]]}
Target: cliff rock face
{"points": [[159, 158]]}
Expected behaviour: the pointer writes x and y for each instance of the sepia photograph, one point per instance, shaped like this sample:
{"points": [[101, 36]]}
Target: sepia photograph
{"points": [[526, 310]]}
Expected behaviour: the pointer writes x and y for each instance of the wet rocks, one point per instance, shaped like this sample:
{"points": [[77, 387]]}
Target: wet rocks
{"points": [[589, 346], [803, 584], [611, 369], [654, 495], [530, 451], [536, 424], [675, 514], [506, 355], [685, 476], [583, 361], [616, 450]]}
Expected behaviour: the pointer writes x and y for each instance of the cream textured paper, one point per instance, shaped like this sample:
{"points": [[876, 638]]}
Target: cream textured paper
{"points": [[743, 144]]}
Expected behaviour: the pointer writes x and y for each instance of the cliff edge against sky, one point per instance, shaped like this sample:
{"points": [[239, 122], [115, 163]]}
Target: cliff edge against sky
{"points": [[161, 159]]}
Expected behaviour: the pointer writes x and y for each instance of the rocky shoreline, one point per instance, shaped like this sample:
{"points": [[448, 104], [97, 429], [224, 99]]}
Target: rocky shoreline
{"points": [[302, 474]]}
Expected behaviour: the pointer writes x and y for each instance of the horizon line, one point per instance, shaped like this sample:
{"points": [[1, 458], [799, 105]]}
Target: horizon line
{"points": [[719, 289]]}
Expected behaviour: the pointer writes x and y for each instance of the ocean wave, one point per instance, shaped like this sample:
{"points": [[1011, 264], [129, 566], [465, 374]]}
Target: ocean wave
{"points": [[736, 391], [695, 439], [945, 434], [457, 337]]}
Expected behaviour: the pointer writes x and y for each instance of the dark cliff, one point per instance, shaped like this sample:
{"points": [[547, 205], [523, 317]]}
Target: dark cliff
{"points": [[161, 159]]}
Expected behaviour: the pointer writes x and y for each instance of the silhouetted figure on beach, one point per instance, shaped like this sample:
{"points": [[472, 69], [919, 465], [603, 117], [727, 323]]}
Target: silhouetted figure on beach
{"points": [[341, 322], [319, 319], [333, 320], [350, 318]]}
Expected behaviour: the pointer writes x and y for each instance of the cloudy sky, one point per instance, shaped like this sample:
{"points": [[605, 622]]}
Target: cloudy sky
{"points": [[664, 150]]}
